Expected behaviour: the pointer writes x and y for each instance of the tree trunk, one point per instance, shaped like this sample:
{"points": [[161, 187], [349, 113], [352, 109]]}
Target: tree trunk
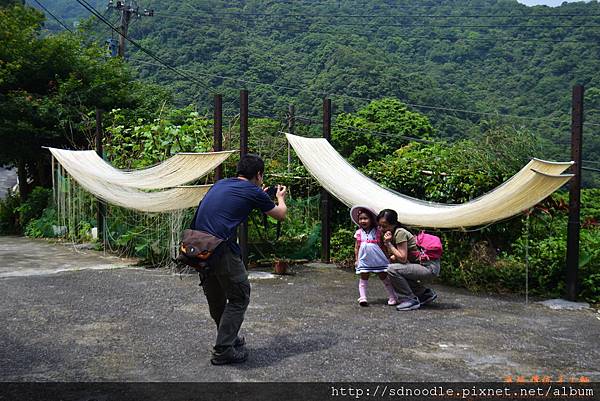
{"points": [[43, 176], [24, 189]]}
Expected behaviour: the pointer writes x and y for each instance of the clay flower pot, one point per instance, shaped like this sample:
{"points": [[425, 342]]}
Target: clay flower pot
{"points": [[281, 267]]}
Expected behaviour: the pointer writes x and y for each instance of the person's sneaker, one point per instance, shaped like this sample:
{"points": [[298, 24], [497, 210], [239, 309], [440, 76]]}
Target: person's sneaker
{"points": [[362, 301], [239, 342], [408, 304], [233, 355], [392, 301], [428, 296]]}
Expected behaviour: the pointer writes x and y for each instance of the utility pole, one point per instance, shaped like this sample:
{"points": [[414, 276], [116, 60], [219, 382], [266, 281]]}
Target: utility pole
{"points": [[325, 197], [291, 121], [575, 194], [243, 230], [127, 12], [101, 211], [218, 132]]}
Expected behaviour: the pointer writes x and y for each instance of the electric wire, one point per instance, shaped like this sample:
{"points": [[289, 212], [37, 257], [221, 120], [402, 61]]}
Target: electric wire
{"points": [[94, 12], [404, 35], [188, 76], [53, 16], [428, 16], [414, 105], [260, 16]]}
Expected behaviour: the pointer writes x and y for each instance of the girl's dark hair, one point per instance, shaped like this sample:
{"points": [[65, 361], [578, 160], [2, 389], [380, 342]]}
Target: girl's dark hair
{"points": [[371, 216], [249, 166]]}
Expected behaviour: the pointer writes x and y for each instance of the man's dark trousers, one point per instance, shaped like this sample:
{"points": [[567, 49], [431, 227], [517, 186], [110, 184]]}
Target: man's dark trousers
{"points": [[227, 291]]}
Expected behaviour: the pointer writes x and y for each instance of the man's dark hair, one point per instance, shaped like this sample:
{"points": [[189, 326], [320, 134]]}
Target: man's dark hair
{"points": [[249, 166]]}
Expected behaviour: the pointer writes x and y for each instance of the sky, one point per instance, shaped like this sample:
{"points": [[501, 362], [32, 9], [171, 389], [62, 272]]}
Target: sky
{"points": [[551, 3]]}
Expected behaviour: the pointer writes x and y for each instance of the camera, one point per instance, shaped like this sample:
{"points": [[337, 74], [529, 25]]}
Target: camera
{"points": [[271, 191]]}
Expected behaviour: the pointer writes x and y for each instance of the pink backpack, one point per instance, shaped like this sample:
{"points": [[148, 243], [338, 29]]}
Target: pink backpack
{"points": [[430, 246]]}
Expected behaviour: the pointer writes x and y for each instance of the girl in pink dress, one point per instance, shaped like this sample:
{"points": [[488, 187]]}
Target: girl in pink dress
{"points": [[368, 254]]}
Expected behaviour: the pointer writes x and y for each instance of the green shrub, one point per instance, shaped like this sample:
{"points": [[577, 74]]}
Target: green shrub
{"points": [[544, 247], [16, 215], [342, 247], [9, 215], [34, 206], [43, 227]]}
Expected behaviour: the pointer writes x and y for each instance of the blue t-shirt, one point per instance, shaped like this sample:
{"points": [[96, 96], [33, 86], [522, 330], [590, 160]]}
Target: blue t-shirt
{"points": [[226, 205]]}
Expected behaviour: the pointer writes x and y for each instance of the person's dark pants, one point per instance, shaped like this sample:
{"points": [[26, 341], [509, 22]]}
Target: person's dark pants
{"points": [[227, 291]]}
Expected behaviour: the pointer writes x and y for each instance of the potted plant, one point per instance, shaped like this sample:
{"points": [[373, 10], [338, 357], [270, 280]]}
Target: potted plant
{"points": [[281, 265]]}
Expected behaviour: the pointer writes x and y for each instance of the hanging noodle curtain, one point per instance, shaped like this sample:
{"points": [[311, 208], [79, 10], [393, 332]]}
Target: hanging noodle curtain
{"points": [[106, 182], [537, 180], [177, 170]]}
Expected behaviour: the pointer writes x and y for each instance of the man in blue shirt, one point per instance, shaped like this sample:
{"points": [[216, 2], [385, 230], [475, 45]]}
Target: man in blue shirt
{"points": [[227, 289]]}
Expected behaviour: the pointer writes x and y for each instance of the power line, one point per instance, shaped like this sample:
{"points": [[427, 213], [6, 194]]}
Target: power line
{"points": [[53, 16], [404, 35], [414, 105], [92, 10], [428, 16], [186, 75], [313, 3], [354, 16], [246, 81], [221, 16], [384, 134]]}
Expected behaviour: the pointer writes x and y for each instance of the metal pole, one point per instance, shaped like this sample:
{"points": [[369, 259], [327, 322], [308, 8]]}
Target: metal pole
{"points": [[101, 210], [243, 231], [218, 132], [325, 198], [574, 194], [291, 120]]}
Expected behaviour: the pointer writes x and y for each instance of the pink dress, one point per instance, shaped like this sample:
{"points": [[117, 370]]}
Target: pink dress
{"points": [[371, 258]]}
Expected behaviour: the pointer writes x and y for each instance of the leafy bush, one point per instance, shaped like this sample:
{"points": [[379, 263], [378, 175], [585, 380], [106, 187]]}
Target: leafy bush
{"points": [[543, 247], [16, 215], [145, 143], [34, 206], [9, 215], [300, 233], [43, 226], [342, 247], [390, 117]]}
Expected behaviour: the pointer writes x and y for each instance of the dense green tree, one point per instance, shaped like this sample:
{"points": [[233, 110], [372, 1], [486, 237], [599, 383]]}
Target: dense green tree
{"points": [[50, 87], [471, 59], [392, 126]]}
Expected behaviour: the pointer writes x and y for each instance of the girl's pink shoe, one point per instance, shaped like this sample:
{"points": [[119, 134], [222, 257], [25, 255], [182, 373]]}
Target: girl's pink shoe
{"points": [[392, 301]]}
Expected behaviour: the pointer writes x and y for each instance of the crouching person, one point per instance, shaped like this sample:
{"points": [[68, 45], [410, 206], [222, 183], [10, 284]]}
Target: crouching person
{"points": [[226, 285], [406, 272]]}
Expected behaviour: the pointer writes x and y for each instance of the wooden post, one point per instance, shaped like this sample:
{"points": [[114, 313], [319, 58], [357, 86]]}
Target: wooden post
{"points": [[218, 133], [124, 28], [101, 209], [325, 197], [291, 121], [243, 231], [574, 194]]}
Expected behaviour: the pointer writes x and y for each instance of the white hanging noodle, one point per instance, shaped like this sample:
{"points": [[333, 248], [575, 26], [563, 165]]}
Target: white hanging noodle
{"points": [[177, 170], [123, 188], [536, 181]]}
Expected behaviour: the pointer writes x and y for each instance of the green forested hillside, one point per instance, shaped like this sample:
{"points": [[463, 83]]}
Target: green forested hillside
{"points": [[480, 56]]}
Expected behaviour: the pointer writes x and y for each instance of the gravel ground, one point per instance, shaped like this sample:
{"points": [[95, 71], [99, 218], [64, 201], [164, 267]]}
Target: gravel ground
{"points": [[132, 324]]}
